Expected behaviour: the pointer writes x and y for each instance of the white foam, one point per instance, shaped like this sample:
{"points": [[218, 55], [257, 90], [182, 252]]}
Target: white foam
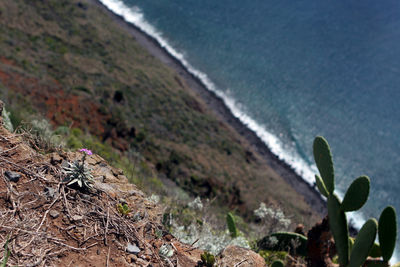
{"points": [[299, 165]]}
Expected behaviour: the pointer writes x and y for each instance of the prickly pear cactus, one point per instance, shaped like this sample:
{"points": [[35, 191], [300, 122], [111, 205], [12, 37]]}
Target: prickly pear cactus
{"points": [[353, 253]]}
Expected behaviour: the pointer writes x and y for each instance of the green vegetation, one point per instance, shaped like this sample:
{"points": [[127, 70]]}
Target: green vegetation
{"points": [[6, 253], [277, 263], [272, 256], [355, 197], [123, 209], [230, 221], [207, 259]]}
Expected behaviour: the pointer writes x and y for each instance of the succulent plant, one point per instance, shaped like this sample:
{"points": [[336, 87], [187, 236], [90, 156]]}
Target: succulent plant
{"points": [[230, 221], [353, 253], [78, 173]]}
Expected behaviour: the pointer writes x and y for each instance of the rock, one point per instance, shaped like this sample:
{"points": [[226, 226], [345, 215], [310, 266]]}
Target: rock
{"points": [[50, 192], [131, 258], [85, 196], [133, 249], [77, 217], [56, 159], [12, 176], [233, 256], [54, 214]]}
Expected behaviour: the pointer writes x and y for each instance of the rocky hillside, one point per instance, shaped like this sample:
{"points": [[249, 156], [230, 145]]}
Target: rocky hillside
{"points": [[46, 221]]}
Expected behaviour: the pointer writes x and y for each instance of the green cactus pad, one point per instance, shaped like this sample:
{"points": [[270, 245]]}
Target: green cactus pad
{"points": [[323, 159], [356, 195], [339, 229], [321, 186], [277, 263], [230, 221], [363, 244], [387, 232]]}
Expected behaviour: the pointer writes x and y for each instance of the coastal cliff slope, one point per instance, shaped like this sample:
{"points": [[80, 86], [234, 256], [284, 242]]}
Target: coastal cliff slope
{"points": [[75, 64]]}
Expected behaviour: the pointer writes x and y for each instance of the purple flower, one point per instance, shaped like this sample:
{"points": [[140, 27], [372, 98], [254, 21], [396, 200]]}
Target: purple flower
{"points": [[87, 151]]}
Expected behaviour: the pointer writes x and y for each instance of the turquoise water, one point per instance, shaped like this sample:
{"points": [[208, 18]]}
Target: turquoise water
{"points": [[296, 69]]}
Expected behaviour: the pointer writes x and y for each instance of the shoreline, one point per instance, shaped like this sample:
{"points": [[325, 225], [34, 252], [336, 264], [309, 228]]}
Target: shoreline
{"points": [[217, 105]]}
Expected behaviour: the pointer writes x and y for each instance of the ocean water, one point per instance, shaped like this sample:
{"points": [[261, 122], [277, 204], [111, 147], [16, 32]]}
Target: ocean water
{"points": [[292, 70]]}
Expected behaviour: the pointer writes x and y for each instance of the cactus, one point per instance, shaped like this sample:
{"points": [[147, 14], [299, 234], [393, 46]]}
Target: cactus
{"points": [[277, 263], [363, 243], [230, 221], [323, 159], [387, 232], [356, 195], [353, 253], [285, 241]]}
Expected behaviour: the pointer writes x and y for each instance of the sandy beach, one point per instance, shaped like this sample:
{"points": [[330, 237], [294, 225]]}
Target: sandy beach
{"points": [[215, 103]]}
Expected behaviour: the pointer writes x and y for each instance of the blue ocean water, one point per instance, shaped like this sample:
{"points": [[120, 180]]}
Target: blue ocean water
{"points": [[292, 70]]}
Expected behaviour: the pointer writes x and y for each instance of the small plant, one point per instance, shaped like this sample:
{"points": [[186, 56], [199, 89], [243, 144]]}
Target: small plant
{"points": [[272, 219], [207, 259], [7, 121], [7, 253], [277, 263], [79, 173], [230, 221], [166, 251], [123, 209]]}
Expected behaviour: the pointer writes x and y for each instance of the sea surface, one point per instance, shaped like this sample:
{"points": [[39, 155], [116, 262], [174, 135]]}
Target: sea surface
{"points": [[292, 70]]}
